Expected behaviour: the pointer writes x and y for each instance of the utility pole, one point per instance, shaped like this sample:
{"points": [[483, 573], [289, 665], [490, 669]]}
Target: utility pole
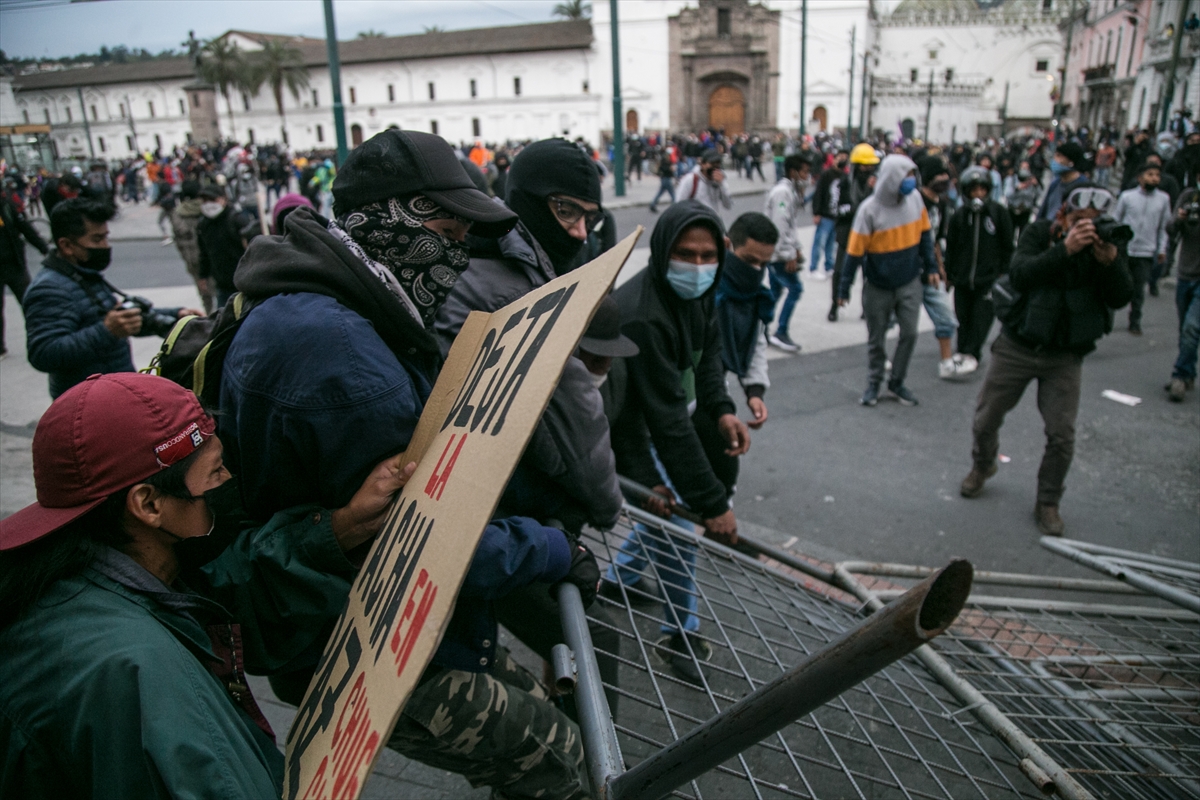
{"points": [[618, 121], [862, 105], [1062, 86], [335, 77], [929, 103], [87, 130], [132, 129], [1169, 91], [850, 94], [1004, 112], [803, 58]]}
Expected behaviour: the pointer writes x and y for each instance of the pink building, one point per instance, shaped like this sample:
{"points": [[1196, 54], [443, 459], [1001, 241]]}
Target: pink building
{"points": [[1107, 44]]}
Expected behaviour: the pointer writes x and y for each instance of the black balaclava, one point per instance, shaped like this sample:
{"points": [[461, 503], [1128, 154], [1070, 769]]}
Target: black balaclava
{"points": [[551, 167], [426, 264]]}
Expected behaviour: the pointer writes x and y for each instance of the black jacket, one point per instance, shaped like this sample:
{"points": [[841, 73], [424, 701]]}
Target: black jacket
{"points": [[978, 245], [221, 247], [680, 362], [1073, 297], [821, 202], [13, 226]]}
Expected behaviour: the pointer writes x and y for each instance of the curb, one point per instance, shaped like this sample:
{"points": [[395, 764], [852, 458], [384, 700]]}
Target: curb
{"points": [[625, 202]]}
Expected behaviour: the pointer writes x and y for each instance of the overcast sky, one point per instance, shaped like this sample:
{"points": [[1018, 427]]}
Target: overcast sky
{"points": [[53, 28]]}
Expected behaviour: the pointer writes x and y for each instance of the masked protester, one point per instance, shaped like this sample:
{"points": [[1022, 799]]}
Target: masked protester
{"points": [[678, 432], [1147, 210], [77, 323], [132, 602], [1069, 167], [782, 206], [568, 472], [935, 184], [845, 197], [329, 373], [221, 243]]}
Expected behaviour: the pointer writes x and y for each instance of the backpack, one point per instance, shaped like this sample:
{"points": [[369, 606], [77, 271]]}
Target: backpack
{"points": [[193, 353]]}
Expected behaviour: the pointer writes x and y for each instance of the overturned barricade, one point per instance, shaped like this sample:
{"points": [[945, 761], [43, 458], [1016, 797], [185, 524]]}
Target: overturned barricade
{"points": [[1019, 698]]}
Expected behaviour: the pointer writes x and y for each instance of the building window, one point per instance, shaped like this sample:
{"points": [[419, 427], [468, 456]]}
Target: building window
{"points": [[195, 101], [151, 105], [189, 138], [432, 93], [474, 88], [122, 111], [912, 76], [1047, 5], [391, 93], [157, 142], [353, 96], [517, 87], [245, 102], [283, 134], [475, 129], [585, 87], [724, 25], [1043, 65], [68, 110], [25, 115], [100, 141], [933, 55], [250, 134], [949, 75], [315, 103], [320, 132], [129, 143], [182, 108], [46, 111], [433, 123], [95, 116]]}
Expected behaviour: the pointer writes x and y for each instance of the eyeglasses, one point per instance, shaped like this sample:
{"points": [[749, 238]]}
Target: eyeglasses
{"points": [[1090, 197], [569, 212]]}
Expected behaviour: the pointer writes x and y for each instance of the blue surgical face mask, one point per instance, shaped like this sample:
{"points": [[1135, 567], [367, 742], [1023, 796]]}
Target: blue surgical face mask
{"points": [[690, 280], [908, 185], [1058, 168]]}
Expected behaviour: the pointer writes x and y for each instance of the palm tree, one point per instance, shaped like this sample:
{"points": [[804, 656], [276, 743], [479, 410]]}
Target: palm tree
{"points": [[371, 34], [573, 9], [434, 29], [223, 64], [279, 66]]}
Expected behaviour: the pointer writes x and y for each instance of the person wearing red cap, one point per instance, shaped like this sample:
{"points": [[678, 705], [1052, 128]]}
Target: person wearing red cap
{"points": [[124, 669]]}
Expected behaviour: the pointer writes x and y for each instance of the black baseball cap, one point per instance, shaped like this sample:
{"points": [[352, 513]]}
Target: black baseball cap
{"points": [[396, 163], [603, 337]]}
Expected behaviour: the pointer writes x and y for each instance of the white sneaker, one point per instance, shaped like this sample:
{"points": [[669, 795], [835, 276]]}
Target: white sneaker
{"points": [[167, 240], [967, 365], [818, 275], [947, 369]]}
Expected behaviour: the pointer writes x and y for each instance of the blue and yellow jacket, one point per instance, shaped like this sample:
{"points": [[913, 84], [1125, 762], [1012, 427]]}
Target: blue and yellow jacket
{"points": [[891, 235]]}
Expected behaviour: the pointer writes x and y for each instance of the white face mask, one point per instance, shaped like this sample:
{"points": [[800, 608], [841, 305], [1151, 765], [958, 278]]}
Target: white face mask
{"points": [[598, 380], [211, 210]]}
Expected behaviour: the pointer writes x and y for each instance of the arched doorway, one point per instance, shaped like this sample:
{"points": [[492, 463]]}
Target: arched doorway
{"points": [[907, 127], [727, 110], [631, 121], [355, 135], [822, 117]]}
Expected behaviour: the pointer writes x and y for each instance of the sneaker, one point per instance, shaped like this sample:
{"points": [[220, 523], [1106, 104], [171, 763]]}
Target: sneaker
{"points": [[967, 364], [1176, 390], [901, 393], [948, 369], [1048, 520], [784, 342], [653, 210], [972, 485], [1136, 330], [1153, 290], [672, 651], [817, 275], [167, 240], [639, 594], [832, 316], [871, 395]]}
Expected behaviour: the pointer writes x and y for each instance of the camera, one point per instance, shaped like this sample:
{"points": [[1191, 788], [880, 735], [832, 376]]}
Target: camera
{"points": [[154, 322], [1113, 232]]}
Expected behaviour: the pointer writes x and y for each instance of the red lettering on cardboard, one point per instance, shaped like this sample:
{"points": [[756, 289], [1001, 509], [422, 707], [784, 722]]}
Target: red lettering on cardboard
{"points": [[437, 481], [415, 614], [354, 744]]}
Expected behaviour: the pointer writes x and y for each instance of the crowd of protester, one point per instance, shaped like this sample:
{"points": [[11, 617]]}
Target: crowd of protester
{"points": [[177, 546]]}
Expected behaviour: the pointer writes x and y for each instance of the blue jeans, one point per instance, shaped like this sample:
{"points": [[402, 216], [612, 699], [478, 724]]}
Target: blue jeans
{"points": [[674, 560], [666, 185], [781, 279], [937, 306], [1187, 304], [824, 240]]}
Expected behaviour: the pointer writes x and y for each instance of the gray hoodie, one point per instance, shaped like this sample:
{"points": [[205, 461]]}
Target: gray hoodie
{"points": [[1148, 214]]}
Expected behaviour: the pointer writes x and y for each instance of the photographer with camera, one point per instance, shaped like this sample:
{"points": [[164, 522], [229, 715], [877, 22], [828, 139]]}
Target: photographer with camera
{"points": [[1065, 280], [1147, 210], [76, 323], [1186, 228]]}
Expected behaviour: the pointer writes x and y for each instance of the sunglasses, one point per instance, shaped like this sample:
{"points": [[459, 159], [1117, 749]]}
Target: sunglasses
{"points": [[570, 212], [1090, 197]]}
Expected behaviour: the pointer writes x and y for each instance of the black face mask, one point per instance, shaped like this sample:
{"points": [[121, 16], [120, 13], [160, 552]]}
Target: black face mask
{"points": [[98, 258], [229, 519], [540, 221]]}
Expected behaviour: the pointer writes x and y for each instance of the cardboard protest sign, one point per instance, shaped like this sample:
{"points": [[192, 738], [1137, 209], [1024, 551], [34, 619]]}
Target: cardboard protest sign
{"points": [[491, 392]]}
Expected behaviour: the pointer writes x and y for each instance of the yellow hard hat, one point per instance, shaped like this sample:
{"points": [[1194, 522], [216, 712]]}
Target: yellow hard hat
{"points": [[863, 154]]}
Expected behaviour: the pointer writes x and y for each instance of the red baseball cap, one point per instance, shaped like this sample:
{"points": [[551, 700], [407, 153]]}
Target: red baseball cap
{"points": [[102, 436]]}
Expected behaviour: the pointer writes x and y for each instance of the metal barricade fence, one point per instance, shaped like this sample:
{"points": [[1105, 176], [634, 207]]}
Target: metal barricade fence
{"points": [[1169, 578], [1018, 698]]}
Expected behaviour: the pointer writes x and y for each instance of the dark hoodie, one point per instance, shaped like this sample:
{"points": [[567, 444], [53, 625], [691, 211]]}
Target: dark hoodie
{"points": [[677, 370]]}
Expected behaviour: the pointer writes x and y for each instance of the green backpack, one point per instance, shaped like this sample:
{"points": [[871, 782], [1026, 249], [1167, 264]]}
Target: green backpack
{"points": [[193, 353]]}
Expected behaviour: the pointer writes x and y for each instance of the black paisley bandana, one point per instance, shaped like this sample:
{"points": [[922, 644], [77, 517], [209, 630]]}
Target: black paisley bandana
{"points": [[426, 264]]}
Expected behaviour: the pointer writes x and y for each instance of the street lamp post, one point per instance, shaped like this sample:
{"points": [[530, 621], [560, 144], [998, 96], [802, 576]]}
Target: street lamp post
{"points": [[335, 77], [803, 58], [850, 94], [618, 161]]}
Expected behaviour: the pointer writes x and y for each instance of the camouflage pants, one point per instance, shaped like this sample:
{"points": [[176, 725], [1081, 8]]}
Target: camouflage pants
{"points": [[496, 729]]}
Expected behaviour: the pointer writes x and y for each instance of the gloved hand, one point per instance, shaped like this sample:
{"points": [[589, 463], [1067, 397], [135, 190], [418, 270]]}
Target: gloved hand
{"points": [[584, 572]]}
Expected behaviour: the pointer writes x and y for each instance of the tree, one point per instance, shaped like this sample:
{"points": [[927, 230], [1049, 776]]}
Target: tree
{"points": [[434, 29], [371, 34], [573, 9], [280, 67], [223, 65]]}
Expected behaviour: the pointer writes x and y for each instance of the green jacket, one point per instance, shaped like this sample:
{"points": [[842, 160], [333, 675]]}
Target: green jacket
{"points": [[109, 686]]}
